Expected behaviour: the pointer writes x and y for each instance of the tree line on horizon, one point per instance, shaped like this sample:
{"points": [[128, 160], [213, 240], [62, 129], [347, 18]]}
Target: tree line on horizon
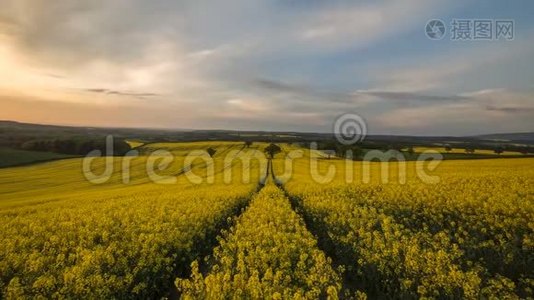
{"points": [[75, 146]]}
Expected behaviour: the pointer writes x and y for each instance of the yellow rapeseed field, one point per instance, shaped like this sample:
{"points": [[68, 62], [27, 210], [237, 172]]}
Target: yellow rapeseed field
{"points": [[299, 226], [468, 235]]}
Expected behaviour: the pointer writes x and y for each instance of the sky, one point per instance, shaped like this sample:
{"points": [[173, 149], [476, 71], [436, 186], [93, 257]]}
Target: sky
{"points": [[293, 65]]}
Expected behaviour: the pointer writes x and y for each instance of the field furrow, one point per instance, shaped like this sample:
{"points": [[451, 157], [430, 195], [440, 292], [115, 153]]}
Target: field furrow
{"points": [[267, 254], [467, 237]]}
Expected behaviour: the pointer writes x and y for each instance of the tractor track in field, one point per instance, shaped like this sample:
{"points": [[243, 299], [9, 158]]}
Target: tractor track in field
{"points": [[324, 242], [212, 240]]}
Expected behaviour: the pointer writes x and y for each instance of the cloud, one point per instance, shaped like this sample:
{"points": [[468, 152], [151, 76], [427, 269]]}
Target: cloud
{"points": [[443, 70], [279, 86], [120, 93], [70, 34], [525, 109], [251, 106], [358, 25], [515, 103], [483, 111], [411, 96], [303, 92]]}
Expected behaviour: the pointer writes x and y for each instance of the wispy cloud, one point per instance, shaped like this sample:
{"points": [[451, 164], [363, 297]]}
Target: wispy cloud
{"points": [[120, 93], [442, 70], [411, 96], [491, 107], [304, 92], [361, 24], [508, 109]]}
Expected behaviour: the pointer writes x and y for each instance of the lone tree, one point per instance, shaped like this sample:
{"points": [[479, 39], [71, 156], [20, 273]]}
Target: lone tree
{"points": [[499, 150], [272, 150], [329, 153], [211, 151], [410, 150], [395, 147], [328, 148], [448, 148], [248, 144]]}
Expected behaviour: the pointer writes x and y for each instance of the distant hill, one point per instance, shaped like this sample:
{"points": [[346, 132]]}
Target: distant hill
{"points": [[520, 137], [15, 133]]}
